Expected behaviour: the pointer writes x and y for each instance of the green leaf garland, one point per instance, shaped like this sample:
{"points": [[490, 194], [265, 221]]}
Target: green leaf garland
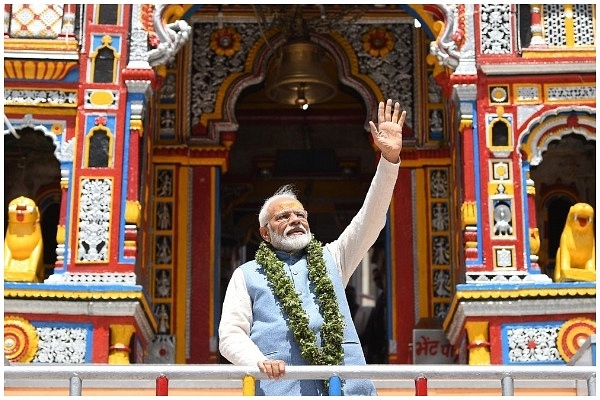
{"points": [[332, 335]]}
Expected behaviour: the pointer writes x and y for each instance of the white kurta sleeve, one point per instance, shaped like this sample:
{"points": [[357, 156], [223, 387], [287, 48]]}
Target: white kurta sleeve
{"points": [[236, 319], [362, 232]]}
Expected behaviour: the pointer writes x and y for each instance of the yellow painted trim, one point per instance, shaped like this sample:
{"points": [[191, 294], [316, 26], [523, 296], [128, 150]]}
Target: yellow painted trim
{"points": [[173, 12], [494, 188], [422, 237], [181, 266], [569, 28], [187, 161], [524, 293], [38, 69], [478, 337], [47, 112], [37, 293], [554, 53], [498, 294], [58, 45], [424, 162]]}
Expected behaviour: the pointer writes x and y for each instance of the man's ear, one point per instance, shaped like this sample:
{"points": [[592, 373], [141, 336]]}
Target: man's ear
{"points": [[264, 233]]}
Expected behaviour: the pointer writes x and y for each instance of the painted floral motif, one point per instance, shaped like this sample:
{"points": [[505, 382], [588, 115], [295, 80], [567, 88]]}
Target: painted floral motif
{"points": [[57, 129], [225, 42], [378, 42]]}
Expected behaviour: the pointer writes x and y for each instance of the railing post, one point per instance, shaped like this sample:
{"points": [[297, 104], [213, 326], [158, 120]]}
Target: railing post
{"points": [[421, 386], [162, 385], [248, 385], [508, 386], [335, 386], [591, 385], [75, 386]]}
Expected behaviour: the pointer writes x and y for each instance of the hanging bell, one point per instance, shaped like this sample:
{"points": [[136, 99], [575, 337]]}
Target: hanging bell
{"points": [[298, 75]]}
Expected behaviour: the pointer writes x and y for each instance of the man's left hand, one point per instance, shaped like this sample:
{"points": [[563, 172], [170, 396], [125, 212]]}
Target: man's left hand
{"points": [[388, 135]]}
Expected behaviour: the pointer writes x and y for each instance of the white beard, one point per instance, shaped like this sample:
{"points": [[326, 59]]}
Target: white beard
{"points": [[290, 244]]}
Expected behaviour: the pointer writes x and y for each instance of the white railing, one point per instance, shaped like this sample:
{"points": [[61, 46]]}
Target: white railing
{"points": [[75, 376]]}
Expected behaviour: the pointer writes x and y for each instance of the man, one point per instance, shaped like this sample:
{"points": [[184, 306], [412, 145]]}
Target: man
{"points": [[288, 306]]}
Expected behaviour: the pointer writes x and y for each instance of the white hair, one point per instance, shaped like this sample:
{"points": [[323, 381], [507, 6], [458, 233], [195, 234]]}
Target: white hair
{"points": [[284, 192]]}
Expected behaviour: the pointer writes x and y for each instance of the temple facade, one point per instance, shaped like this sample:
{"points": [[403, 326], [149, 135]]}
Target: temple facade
{"points": [[141, 139]]}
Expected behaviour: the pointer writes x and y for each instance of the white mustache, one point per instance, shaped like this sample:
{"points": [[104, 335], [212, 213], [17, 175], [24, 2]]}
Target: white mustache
{"points": [[289, 228]]}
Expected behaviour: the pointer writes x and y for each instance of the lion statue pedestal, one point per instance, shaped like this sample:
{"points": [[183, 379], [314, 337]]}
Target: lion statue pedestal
{"points": [[23, 244], [576, 255]]}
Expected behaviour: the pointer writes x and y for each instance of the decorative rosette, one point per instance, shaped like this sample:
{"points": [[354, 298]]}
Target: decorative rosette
{"points": [[225, 41], [378, 42], [20, 339], [572, 334], [57, 129]]}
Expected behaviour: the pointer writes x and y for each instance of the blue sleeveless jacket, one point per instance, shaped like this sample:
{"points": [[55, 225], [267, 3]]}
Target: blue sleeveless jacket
{"points": [[273, 337]]}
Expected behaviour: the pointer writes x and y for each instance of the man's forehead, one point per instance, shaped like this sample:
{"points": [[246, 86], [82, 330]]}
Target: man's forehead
{"points": [[288, 204]]}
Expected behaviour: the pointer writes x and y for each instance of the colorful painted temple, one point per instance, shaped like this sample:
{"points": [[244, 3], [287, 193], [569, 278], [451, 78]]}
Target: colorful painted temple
{"points": [[140, 141]]}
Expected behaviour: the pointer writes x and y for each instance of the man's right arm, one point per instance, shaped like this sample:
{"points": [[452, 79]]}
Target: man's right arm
{"points": [[236, 319]]}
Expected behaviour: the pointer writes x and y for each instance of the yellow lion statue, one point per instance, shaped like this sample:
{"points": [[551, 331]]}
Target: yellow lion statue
{"points": [[23, 245], [576, 255]]}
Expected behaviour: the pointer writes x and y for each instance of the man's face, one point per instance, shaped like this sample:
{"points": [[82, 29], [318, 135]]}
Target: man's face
{"points": [[288, 228]]}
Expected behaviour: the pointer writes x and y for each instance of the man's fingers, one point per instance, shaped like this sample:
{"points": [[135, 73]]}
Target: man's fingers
{"points": [[273, 368], [381, 112], [396, 112], [388, 110], [402, 117]]}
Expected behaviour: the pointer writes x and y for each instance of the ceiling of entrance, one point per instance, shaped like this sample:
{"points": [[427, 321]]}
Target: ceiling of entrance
{"points": [[325, 151]]}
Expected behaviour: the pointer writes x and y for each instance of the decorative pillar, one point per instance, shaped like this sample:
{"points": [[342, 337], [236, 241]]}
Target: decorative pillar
{"points": [[68, 22], [227, 138], [537, 32], [133, 208], [469, 206], [479, 342], [61, 232], [133, 216], [534, 233], [119, 350], [7, 13], [569, 25]]}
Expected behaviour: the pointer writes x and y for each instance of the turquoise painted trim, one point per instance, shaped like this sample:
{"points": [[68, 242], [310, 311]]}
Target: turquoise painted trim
{"points": [[69, 199], [125, 176], [72, 287], [523, 286]]}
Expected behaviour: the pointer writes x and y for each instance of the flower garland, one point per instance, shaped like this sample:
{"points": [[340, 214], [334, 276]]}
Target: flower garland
{"points": [[331, 351]]}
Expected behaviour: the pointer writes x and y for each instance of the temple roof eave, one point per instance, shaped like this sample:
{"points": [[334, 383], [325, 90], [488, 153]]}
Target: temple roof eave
{"points": [[516, 300], [101, 300]]}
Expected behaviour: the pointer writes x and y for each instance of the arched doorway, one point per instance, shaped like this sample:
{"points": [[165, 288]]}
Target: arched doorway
{"points": [[31, 169], [566, 175]]}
